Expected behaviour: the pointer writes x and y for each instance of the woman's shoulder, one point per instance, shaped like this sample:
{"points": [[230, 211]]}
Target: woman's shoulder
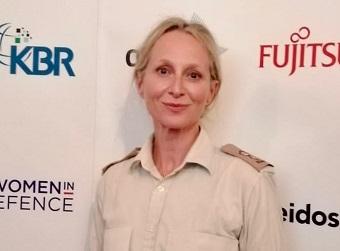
{"points": [[233, 163], [126, 158], [255, 162]]}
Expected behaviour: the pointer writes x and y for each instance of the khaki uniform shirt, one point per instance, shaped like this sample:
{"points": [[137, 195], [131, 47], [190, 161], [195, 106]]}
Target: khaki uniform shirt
{"points": [[211, 202]]}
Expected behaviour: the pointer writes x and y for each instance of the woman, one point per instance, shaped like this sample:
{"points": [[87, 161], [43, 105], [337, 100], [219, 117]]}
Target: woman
{"points": [[179, 192]]}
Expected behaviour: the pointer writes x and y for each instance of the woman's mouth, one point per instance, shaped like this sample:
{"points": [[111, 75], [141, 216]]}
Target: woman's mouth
{"points": [[175, 107]]}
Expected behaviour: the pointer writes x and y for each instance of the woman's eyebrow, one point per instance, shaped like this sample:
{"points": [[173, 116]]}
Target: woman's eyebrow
{"points": [[187, 66], [165, 61]]}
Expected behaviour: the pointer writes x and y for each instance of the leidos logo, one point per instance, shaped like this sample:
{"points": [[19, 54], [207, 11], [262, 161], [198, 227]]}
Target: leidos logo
{"points": [[309, 215], [300, 54], [16, 53]]}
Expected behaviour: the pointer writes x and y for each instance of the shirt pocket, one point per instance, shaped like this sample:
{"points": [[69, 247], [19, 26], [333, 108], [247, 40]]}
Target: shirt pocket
{"points": [[117, 239], [197, 241]]}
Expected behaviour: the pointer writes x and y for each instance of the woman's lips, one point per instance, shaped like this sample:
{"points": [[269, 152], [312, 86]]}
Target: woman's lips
{"points": [[175, 107]]}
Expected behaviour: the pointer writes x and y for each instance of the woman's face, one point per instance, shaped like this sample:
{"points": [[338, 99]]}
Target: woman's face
{"points": [[176, 85]]}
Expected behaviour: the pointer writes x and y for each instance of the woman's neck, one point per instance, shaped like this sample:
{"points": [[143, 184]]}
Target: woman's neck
{"points": [[170, 147]]}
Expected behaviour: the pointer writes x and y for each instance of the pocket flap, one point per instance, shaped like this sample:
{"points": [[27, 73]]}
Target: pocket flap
{"points": [[117, 239], [198, 241]]}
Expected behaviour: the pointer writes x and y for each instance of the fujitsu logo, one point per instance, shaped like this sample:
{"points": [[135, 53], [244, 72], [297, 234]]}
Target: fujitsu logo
{"points": [[300, 53]]}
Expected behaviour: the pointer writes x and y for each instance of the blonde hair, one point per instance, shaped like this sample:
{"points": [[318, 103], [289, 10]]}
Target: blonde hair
{"points": [[198, 31]]}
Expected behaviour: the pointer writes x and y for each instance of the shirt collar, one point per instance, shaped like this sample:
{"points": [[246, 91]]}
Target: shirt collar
{"points": [[200, 153], [145, 158]]}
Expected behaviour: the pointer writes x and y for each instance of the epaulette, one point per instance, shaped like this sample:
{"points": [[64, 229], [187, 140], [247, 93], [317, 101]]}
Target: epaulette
{"points": [[129, 156], [255, 162]]}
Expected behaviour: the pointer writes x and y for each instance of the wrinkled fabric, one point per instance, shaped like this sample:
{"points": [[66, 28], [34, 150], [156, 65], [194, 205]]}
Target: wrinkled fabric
{"points": [[211, 202]]}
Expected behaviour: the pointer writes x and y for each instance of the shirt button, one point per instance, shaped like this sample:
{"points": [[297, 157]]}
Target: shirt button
{"points": [[151, 229], [160, 188]]}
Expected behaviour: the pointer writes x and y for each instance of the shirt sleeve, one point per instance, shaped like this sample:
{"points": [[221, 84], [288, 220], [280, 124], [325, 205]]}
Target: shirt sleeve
{"points": [[262, 230], [96, 230]]}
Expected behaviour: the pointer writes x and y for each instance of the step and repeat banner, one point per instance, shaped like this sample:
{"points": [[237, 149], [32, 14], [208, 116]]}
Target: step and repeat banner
{"points": [[279, 99], [47, 117], [68, 106]]}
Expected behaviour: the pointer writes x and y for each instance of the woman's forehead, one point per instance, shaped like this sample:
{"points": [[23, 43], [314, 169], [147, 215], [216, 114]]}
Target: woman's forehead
{"points": [[179, 46]]}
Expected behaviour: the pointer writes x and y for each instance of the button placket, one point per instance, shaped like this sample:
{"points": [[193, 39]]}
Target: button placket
{"points": [[156, 206]]}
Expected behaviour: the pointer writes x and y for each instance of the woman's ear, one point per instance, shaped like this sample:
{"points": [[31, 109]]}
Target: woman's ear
{"points": [[214, 88], [139, 84]]}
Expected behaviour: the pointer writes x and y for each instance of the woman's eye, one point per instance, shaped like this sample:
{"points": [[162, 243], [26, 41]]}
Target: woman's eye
{"points": [[163, 71], [194, 75]]}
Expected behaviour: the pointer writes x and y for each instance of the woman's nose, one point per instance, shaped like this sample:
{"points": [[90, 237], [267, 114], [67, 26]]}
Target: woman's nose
{"points": [[176, 88]]}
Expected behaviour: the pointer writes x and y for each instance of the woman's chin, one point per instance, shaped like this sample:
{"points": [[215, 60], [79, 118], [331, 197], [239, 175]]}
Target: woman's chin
{"points": [[175, 124]]}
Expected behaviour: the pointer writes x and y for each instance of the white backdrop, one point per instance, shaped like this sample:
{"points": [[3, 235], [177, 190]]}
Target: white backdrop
{"points": [[65, 129], [47, 127]]}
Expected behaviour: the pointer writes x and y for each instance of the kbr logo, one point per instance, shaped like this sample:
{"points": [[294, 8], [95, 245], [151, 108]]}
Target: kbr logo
{"points": [[16, 53]]}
